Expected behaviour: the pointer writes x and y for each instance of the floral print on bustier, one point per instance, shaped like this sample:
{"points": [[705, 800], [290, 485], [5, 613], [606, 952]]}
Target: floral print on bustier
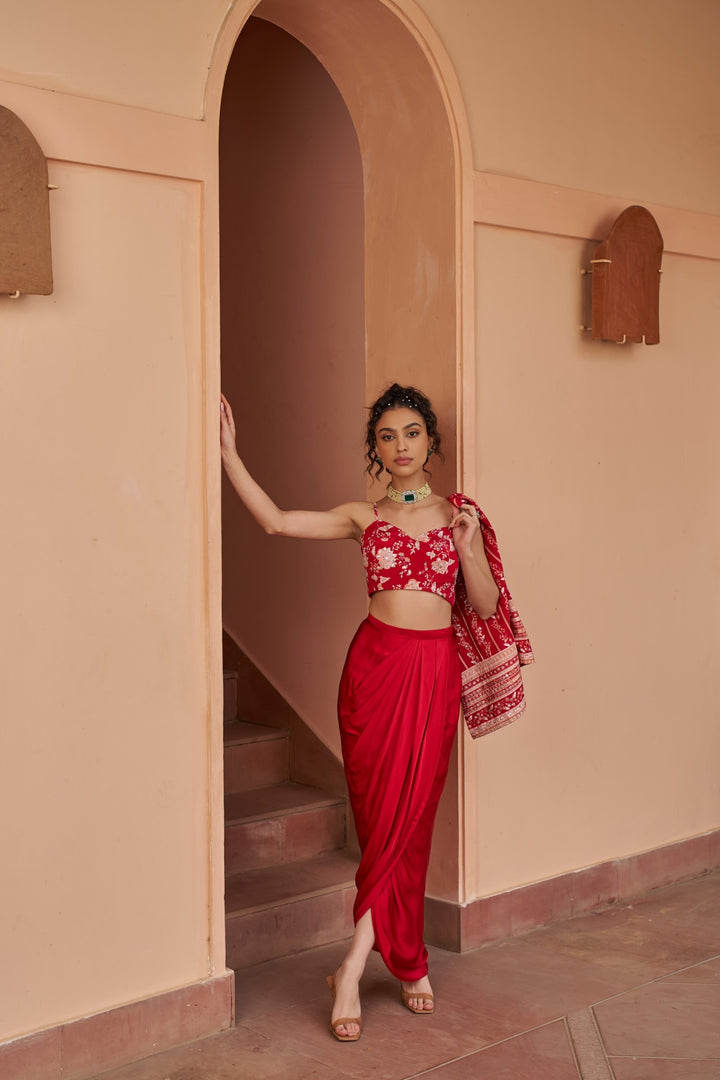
{"points": [[395, 560]]}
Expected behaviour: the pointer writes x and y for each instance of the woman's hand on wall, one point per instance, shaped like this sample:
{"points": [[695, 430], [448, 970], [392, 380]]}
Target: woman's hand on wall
{"points": [[342, 523], [227, 430]]}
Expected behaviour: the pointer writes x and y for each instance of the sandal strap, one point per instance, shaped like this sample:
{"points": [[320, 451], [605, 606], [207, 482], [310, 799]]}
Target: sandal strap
{"points": [[347, 1020]]}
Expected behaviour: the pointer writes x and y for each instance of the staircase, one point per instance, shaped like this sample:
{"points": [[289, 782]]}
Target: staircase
{"points": [[289, 878]]}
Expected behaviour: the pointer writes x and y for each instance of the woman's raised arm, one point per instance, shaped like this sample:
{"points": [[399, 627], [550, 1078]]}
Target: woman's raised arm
{"points": [[341, 523]]}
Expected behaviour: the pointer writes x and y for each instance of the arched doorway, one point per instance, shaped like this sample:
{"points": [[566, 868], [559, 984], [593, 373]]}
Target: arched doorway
{"points": [[415, 273]]}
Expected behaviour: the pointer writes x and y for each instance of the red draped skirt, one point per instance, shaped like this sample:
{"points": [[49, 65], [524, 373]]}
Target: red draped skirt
{"points": [[398, 710]]}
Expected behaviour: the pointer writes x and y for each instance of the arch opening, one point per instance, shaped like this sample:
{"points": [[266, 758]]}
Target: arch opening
{"points": [[410, 264]]}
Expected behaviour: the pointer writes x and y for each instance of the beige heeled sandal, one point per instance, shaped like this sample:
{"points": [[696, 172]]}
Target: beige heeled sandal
{"points": [[407, 995], [343, 1020]]}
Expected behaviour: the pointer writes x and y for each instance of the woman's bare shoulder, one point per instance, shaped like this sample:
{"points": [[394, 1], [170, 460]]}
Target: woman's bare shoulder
{"points": [[362, 513]]}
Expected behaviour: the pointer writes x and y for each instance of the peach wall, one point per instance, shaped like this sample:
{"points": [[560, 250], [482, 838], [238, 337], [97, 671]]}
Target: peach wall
{"points": [[152, 56], [104, 762], [553, 92], [620, 100], [598, 461]]}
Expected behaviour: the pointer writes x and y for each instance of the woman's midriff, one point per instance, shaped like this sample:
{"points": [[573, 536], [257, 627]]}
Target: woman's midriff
{"points": [[410, 609]]}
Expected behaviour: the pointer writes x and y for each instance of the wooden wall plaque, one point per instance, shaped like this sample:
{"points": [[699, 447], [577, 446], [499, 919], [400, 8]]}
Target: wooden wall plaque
{"points": [[25, 253], [626, 280]]}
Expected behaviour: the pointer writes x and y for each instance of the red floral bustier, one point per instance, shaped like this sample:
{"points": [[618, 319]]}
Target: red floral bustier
{"points": [[395, 560]]}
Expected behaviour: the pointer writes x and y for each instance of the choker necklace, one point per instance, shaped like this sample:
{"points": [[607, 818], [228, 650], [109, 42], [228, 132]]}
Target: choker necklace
{"points": [[412, 496]]}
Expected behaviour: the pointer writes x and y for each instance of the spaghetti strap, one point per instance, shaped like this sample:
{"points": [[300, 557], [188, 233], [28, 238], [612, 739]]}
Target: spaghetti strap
{"points": [[377, 516]]}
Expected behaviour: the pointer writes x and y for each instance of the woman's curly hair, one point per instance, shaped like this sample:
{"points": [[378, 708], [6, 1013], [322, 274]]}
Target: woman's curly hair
{"points": [[399, 397]]}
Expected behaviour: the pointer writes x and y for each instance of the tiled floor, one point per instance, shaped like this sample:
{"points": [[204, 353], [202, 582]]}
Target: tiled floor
{"points": [[630, 993]]}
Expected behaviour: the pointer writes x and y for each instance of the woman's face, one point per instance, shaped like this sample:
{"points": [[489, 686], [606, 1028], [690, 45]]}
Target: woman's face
{"points": [[401, 441]]}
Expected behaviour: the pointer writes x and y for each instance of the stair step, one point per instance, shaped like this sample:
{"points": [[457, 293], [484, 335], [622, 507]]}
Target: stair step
{"points": [[280, 824], [241, 732], [290, 882], [275, 800], [257, 890], [286, 909], [255, 756]]}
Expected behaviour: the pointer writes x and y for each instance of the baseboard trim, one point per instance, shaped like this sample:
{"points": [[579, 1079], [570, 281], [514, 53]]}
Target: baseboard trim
{"points": [[83, 1048], [494, 918]]}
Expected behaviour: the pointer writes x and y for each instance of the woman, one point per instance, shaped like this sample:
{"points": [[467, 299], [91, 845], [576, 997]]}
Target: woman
{"points": [[399, 693]]}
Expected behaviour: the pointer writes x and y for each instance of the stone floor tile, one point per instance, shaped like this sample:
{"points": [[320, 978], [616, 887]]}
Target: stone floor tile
{"points": [[707, 972], [637, 942], [515, 987], [651, 971], [238, 1054], [664, 1019], [687, 910], [278, 984], [664, 1069], [542, 1054], [394, 1044]]}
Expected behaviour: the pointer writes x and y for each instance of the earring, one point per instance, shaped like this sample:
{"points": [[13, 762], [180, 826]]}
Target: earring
{"points": [[430, 453]]}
